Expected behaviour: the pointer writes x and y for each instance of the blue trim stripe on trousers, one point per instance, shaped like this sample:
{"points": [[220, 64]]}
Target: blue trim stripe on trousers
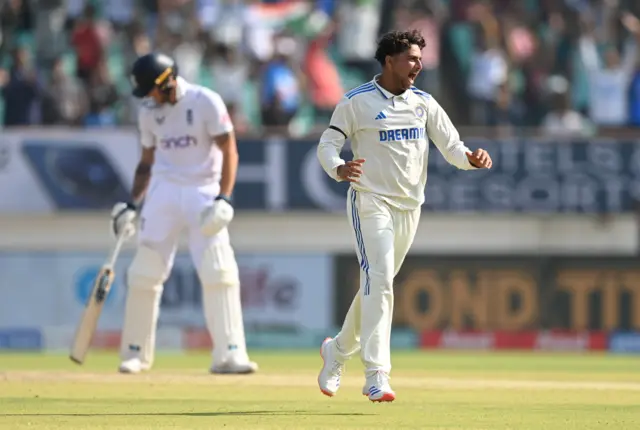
{"points": [[364, 262]]}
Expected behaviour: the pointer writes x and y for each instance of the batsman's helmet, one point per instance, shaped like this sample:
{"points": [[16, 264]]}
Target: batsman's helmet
{"points": [[152, 70]]}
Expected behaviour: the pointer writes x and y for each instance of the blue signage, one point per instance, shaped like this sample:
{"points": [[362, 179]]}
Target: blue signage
{"points": [[278, 175], [528, 175]]}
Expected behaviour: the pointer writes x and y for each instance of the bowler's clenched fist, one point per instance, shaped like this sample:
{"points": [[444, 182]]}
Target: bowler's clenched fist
{"points": [[351, 170], [480, 159]]}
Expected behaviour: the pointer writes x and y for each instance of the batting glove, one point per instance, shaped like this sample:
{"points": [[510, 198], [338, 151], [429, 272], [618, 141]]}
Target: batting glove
{"points": [[123, 216], [217, 216]]}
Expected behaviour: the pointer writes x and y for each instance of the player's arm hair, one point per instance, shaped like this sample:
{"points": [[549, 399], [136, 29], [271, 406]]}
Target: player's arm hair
{"points": [[142, 175], [229, 147]]}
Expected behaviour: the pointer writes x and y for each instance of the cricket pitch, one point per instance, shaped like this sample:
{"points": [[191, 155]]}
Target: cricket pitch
{"points": [[435, 390]]}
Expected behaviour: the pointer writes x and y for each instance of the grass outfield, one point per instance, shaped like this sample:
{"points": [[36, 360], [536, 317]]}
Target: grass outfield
{"points": [[435, 390]]}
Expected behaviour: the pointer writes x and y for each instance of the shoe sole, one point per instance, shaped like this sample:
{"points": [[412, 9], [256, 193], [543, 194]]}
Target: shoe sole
{"points": [[324, 363], [233, 372], [386, 397], [126, 371]]}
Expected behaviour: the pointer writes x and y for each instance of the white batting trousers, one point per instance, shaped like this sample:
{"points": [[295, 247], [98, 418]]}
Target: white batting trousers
{"points": [[383, 236], [169, 210]]}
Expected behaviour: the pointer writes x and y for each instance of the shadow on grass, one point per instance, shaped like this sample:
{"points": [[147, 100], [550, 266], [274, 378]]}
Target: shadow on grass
{"points": [[194, 414]]}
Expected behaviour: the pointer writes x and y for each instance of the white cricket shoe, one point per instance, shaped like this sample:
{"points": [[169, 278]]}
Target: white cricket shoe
{"points": [[377, 388], [234, 367], [332, 368], [132, 365]]}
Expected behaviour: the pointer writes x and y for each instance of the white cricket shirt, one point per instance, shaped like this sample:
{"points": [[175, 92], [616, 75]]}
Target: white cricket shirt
{"points": [[183, 135], [391, 133]]}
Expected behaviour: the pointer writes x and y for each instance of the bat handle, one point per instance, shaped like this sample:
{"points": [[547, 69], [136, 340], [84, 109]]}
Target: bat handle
{"points": [[120, 239]]}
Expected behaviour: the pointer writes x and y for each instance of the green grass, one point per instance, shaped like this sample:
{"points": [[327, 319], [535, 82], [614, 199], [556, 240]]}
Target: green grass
{"points": [[435, 390]]}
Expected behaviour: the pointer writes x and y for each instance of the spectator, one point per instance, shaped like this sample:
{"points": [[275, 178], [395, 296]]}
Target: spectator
{"points": [[224, 23], [188, 54], [488, 72], [50, 36], [13, 17], [505, 66], [325, 89], [634, 99], [428, 22], [88, 44], [280, 95], [137, 43], [427, 19], [562, 121], [178, 33], [21, 91], [75, 9], [120, 13], [608, 82], [259, 34], [359, 22], [230, 74], [103, 96], [64, 101]]}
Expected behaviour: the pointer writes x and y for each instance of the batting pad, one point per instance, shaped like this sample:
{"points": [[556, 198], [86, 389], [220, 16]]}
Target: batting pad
{"points": [[146, 275], [221, 300]]}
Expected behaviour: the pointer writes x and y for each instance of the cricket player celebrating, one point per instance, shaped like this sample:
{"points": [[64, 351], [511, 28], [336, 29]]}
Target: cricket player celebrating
{"points": [[389, 122], [189, 162]]}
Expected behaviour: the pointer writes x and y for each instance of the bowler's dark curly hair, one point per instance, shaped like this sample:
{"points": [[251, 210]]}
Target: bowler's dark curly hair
{"points": [[396, 42]]}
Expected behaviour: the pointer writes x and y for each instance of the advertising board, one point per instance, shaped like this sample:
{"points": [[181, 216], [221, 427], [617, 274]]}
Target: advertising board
{"points": [[79, 170], [507, 293], [279, 291]]}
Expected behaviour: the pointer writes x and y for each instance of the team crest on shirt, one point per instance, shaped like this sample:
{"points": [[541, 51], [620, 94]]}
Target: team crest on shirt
{"points": [[419, 111], [189, 116], [159, 120]]}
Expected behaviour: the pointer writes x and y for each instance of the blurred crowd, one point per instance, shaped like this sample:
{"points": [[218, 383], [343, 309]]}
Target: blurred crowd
{"points": [[569, 67], [565, 67]]}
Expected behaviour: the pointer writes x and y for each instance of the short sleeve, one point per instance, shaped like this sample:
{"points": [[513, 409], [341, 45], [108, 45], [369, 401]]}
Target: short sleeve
{"points": [[217, 117], [147, 139]]}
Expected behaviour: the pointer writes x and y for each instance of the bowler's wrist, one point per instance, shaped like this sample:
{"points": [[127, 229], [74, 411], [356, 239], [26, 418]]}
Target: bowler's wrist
{"points": [[224, 197], [338, 170]]}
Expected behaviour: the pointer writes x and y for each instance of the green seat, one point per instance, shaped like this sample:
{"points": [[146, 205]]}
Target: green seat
{"points": [[304, 120], [350, 78], [2, 107], [251, 104], [580, 84], [334, 54], [116, 66], [462, 41], [205, 78], [69, 63], [532, 6], [26, 39]]}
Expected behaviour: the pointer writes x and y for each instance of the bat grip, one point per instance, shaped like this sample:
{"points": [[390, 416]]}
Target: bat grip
{"points": [[116, 249]]}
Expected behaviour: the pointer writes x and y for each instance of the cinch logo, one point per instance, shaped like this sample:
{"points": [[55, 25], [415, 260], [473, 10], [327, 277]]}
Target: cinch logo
{"points": [[178, 142], [412, 133]]}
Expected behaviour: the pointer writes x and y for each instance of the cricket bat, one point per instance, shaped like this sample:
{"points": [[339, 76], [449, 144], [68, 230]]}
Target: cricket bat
{"points": [[95, 302]]}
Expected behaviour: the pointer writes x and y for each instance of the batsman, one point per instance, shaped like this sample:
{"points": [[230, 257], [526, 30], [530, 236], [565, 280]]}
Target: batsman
{"points": [[186, 175]]}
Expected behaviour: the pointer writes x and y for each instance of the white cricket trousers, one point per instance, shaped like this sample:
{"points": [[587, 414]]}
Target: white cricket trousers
{"points": [[383, 236]]}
